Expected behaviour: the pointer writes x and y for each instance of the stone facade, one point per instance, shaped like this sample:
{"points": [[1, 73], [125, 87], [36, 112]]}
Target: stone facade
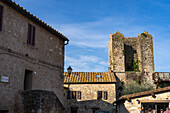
{"points": [[126, 52], [89, 97], [137, 104], [44, 60], [89, 84], [41, 101]]}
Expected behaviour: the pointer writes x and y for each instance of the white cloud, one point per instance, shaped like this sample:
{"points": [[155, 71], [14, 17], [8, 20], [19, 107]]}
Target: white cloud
{"points": [[96, 34], [86, 63], [103, 63]]}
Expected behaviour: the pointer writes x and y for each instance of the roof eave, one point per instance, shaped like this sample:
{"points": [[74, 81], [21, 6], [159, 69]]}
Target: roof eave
{"points": [[89, 82], [34, 19], [156, 91]]}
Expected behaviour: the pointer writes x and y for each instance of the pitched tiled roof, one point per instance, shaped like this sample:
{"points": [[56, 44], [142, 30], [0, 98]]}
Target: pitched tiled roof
{"points": [[89, 77], [145, 93], [34, 18]]}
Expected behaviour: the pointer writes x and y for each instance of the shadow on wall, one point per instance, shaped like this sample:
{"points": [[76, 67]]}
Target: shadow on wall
{"points": [[122, 109], [91, 106], [41, 101], [119, 87], [129, 53]]}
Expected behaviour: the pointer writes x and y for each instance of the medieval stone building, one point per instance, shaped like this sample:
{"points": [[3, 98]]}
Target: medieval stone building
{"points": [[157, 99], [32, 67], [131, 57], [88, 92], [31, 63]]}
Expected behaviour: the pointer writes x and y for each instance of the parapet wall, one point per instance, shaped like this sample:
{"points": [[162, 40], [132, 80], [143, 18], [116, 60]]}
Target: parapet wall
{"points": [[128, 76]]}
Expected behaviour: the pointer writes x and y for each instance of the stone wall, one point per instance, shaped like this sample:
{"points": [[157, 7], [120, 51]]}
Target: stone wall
{"points": [[130, 52], [89, 97], [40, 101], [123, 51], [48, 47], [89, 106], [145, 54], [45, 59], [116, 52], [46, 78], [129, 76], [135, 105]]}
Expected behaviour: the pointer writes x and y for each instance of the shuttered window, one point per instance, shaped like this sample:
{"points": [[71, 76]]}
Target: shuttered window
{"points": [[1, 16], [31, 35], [102, 94], [74, 95], [78, 95], [99, 95], [105, 95]]}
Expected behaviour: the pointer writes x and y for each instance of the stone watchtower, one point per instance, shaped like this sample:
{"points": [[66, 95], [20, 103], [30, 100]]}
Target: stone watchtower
{"points": [[131, 54]]}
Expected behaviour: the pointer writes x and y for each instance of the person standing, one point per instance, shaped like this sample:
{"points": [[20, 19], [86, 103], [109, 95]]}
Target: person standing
{"points": [[167, 110], [153, 111], [149, 110], [161, 111]]}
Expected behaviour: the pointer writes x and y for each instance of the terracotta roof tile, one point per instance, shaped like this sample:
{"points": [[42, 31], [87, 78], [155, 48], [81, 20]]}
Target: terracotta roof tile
{"points": [[89, 77], [155, 91]]}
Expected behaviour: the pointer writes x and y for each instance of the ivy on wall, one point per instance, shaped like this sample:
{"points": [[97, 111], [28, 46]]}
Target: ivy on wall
{"points": [[136, 65]]}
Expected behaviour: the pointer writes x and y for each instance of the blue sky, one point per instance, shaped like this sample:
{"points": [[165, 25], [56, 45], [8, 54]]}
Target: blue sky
{"points": [[88, 23]]}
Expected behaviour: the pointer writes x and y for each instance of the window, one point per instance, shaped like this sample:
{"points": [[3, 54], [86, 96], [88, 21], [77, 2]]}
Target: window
{"points": [[1, 15], [99, 95], [74, 95], [78, 94], [102, 94], [105, 95], [31, 35], [98, 76]]}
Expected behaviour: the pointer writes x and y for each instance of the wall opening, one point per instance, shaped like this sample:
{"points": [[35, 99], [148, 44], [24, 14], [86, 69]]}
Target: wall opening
{"points": [[74, 110], [129, 54], [4, 111], [154, 106], [99, 95], [95, 109], [28, 79]]}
